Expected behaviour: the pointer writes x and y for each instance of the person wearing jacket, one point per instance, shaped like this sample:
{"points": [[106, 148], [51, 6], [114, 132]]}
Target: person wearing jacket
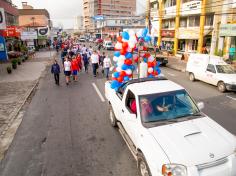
{"points": [[55, 69]]}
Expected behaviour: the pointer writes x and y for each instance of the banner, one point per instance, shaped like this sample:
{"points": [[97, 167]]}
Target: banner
{"points": [[43, 32], [11, 31], [29, 35], [2, 19], [3, 51]]}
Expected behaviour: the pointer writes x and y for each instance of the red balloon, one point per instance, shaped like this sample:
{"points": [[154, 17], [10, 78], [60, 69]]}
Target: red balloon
{"points": [[125, 45], [114, 78], [150, 64], [128, 62], [123, 51], [136, 59], [122, 74], [120, 79], [144, 48], [119, 39]]}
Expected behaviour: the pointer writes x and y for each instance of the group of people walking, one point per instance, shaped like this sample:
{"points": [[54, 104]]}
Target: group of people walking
{"points": [[76, 58]]}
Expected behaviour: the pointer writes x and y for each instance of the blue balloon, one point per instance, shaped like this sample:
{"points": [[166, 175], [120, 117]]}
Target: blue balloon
{"points": [[126, 78], [151, 76], [114, 84], [132, 67], [144, 32], [147, 38], [125, 35], [124, 67], [128, 55], [116, 74], [158, 63], [145, 60], [117, 54], [158, 71]]}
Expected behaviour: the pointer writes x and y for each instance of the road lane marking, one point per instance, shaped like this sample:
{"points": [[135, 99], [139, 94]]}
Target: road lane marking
{"points": [[98, 92], [171, 74], [231, 98]]}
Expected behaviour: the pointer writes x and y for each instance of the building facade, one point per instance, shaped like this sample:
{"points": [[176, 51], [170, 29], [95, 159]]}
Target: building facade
{"points": [[187, 26], [106, 8], [11, 12], [79, 24]]}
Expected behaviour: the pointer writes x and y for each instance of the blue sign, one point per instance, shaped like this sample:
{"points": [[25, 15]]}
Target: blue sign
{"points": [[98, 18], [3, 50]]}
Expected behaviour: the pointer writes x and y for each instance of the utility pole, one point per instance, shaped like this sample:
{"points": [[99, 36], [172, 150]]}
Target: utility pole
{"points": [[148, 15], [177, 26], [202, 24], [160, 12]]}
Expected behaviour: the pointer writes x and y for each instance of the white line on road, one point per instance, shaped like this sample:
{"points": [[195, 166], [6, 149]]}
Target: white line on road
{"points": [[171, 74], [231, 98], [98, 92]]}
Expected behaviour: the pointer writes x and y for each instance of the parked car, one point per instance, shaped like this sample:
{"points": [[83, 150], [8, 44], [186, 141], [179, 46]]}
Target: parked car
{"points": [[82, 39], [108, 45], [168, 134], [212, 70], [99, 41]]}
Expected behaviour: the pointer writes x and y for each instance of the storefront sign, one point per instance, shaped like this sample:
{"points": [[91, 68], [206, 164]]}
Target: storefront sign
{"points": [[2, 19], [168, 33], [192, 7], [170, 11], [28, 35], [228, 30], [43, 33], [11, 31], [192, 33]]}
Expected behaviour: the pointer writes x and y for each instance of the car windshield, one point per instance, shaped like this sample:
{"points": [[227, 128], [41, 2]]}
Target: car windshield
{"points": [[225, 69], [166, 106]]}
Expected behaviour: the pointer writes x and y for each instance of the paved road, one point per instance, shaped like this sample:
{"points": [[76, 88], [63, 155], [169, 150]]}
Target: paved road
{"points": [[66, 132]]}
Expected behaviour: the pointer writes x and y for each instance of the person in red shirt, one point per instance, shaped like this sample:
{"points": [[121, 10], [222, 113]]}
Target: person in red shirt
{"points": [[75, 68], [79, 60]]}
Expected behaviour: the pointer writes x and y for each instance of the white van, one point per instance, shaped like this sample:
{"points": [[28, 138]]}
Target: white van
{"points": [[213, 70]]}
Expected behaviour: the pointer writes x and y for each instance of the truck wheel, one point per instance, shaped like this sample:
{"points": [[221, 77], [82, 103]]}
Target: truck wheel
{"points": [[143, 166], [221, 86], [112, 117], [191, 77]]}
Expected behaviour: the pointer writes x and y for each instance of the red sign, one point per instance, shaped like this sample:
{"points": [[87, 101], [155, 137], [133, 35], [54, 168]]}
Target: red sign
{"points": [[11, 31], [168, 33]]}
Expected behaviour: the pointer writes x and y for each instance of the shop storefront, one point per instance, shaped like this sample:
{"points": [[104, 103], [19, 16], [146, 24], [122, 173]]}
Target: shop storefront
{"points": [[167, 40], [228, 31]]}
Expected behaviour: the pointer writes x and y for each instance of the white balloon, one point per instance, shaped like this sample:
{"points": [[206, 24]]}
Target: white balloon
{"points": [[151, 59], [131, 44], [115, 59], [129, 49], [124, 40], [150, 70], [121, 58], [133, 39], [139, 33], [118, 69], [128, 72], [118, 46], [120, 63]]}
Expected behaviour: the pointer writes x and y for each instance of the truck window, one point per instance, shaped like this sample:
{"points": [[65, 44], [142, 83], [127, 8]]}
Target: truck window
{"points": [[211, 68], [130, 102], [121, 91]]}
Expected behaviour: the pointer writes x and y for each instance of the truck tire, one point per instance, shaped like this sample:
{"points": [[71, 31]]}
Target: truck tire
{"points": [[142, 165], [112, 117], [221, 86], [191, 77]]}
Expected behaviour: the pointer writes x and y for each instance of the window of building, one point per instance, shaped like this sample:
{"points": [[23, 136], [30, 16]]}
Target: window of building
{"points": [[165, 24], [170, 3], [183, 22], [172, 23], [209, 20], [194, 21], [194, 45]]}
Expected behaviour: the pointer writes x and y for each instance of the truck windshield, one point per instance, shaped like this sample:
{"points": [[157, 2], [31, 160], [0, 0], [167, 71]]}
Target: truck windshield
{"points": [[225, 69], [166, 106]]}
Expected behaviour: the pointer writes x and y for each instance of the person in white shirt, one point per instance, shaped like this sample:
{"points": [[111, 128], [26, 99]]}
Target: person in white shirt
{"points": [[94, 61], [106, 65], [67, 69]]}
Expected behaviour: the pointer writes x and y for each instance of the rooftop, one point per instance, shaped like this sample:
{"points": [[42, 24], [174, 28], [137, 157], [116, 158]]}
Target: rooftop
{"points": [[34, 12]]}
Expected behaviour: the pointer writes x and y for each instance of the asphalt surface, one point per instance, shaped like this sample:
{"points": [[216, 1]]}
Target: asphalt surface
{"points": [[66, 131]]}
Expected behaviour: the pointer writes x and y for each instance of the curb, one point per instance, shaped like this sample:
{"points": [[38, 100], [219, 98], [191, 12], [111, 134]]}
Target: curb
{"points": [[176, 68]]}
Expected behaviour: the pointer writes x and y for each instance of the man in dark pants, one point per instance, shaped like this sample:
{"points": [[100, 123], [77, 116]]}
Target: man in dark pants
{"points": [[56, 71]]}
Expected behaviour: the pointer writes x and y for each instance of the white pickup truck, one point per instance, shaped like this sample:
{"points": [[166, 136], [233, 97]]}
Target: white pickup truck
{"points": [[166, 131]]}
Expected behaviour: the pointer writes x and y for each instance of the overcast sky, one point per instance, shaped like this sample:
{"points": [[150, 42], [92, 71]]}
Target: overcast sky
{"points": [[64, 11]]}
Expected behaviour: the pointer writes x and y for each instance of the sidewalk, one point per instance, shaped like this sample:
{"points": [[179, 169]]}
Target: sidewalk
{"points": [[176, 63], [15, 88]]}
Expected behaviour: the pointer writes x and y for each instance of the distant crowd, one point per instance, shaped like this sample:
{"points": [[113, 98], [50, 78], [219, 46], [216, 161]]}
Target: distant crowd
{"points": [[76, 58]]}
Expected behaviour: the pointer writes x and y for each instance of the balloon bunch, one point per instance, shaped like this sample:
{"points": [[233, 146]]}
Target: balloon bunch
{"points": [[123, 57]]}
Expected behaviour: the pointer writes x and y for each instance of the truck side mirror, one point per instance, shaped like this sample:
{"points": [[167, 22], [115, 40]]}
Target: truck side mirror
{"points": [[201, 105]]}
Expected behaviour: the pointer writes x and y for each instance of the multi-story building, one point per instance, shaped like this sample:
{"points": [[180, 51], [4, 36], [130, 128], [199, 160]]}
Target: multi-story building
{"points": [[106, 8], [187, 26], [11, 12], [79, 24]]}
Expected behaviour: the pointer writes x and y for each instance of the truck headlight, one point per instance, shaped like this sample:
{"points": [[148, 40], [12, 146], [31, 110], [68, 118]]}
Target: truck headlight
{"points": [[174, 170]]}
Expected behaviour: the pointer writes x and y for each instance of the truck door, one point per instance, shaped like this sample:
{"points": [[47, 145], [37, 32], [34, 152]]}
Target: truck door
{"points": [[129, 119], [210, 76]]}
